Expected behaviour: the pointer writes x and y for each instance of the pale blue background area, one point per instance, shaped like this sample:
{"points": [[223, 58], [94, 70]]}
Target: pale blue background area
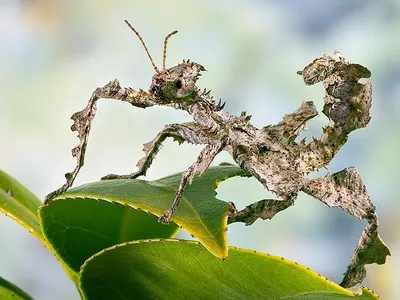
{"points": [[53, 54]]}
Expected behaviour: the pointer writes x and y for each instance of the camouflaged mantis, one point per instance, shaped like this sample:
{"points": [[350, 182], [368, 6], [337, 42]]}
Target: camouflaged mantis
{"points": [[271, 154]]}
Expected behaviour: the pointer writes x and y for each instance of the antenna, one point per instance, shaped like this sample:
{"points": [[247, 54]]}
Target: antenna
{"points": [[165, 47], [145, 47]]}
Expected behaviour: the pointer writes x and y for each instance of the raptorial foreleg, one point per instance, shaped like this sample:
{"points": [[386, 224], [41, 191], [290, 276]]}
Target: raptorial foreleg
{"points": [[347, 104], [83, 123]]}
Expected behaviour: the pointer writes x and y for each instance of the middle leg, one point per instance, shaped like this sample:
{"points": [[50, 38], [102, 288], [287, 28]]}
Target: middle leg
{"points": [[202, 163], [185, 132]]}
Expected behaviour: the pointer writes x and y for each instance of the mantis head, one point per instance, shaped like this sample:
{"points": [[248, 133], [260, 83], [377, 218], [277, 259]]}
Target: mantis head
{"points": [[176, 84]]}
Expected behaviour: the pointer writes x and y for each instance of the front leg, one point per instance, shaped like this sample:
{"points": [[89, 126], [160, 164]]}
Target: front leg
{"points": [[202, 163], [347, 104], [83, 123], [186, 132]]}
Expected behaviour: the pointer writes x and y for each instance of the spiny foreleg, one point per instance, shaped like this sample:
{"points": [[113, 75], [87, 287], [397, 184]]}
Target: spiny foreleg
{"points": [[347, 105], [84, 118]]}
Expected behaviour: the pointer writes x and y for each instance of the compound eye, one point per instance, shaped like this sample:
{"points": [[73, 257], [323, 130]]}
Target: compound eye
{"points": [[178, 84], [155, 89]]}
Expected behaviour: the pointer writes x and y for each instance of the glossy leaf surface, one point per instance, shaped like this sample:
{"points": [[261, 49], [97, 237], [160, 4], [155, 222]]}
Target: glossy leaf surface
{"points": [[176, 269]]}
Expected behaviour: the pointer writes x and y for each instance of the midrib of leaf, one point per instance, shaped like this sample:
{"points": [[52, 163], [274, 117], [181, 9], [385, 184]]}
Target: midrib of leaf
{"points": [[123, 231]]}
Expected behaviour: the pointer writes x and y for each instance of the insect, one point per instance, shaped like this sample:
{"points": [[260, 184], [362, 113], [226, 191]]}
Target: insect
{"points": [[271, 154]]}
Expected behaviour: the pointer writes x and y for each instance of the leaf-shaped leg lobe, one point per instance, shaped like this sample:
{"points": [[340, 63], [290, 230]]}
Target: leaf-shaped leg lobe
{"points": [[345, 189], [263, 209]]}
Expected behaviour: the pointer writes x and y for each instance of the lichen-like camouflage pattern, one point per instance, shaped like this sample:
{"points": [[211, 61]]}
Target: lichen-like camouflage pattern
{"points": [[270, 154]]}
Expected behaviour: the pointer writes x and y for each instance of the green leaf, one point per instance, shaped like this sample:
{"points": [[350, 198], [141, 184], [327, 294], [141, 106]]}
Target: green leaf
{"points": [[200, 213], [176, 269], [77, 228], [11, 291], [18, 203]]}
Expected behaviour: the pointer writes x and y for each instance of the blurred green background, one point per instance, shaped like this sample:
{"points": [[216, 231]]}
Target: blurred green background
{"points": [[53, 54]]}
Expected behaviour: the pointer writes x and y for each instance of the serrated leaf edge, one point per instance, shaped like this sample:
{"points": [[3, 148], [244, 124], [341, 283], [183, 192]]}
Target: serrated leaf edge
{"points": [[269, 256], [70, 272], [220, 254]]}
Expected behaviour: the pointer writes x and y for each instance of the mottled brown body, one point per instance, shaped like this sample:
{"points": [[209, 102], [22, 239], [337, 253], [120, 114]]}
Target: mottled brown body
{"points": [[271, 154]]}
